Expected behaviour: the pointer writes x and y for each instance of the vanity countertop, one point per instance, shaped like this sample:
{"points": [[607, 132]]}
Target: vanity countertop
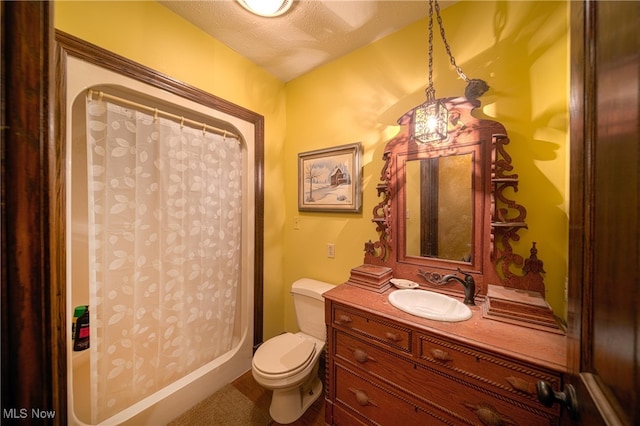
{"points": [[541, 348]]}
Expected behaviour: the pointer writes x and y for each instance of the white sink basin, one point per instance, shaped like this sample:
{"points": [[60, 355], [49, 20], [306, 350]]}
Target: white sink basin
{"points": [[430, 305]]}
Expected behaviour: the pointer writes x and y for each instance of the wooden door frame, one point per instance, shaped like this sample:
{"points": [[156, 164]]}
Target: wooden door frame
{"points": [[581, 137], [33, 332], [596, 403]]}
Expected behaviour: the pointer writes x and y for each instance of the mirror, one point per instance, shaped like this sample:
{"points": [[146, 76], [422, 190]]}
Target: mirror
{"points": [[439, 207]]}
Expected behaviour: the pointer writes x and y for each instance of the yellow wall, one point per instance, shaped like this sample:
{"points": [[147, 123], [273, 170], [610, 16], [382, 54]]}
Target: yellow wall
{"points": [[520, 48]]}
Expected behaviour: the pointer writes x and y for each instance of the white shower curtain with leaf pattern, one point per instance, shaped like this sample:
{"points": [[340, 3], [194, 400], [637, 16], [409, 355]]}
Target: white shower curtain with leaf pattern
{"points": [[164, 248]]}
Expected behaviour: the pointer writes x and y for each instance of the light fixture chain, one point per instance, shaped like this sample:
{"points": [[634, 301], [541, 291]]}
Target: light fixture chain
{"points": [[444, 39], [430, 91]]}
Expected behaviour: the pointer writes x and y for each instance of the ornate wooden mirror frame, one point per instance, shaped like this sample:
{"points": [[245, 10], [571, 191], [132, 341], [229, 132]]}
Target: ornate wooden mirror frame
{"points": [[510, 287]]}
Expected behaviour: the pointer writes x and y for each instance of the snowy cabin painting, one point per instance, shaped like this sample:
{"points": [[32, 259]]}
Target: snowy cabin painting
{"points": [[326, 180]]}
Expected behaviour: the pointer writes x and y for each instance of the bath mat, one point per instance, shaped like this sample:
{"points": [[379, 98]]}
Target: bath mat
{"points": [[228, 407]]}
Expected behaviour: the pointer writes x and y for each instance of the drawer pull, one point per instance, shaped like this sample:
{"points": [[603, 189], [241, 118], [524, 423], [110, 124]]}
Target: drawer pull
{"points": [[344, 319], [522, 385], [361, 356], [440, 355], [362, 397], [394, 337], [488, 415]]}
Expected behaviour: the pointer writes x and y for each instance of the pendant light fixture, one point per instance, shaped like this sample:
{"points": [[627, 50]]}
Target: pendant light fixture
{"points": [[266, 8], [430, 119]]}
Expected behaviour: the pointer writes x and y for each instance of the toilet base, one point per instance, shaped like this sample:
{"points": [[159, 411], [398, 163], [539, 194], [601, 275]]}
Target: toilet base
{"points": [[288, 405]]}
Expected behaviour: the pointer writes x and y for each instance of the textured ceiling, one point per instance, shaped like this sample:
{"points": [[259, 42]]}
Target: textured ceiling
{"points": [[312, 33]]}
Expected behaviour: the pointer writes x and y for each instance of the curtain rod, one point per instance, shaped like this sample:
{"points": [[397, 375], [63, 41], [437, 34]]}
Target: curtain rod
{"points": [[101, 95]]}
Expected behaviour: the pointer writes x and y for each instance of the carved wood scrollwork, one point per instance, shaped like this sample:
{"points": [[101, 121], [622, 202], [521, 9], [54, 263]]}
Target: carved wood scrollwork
{"points": [[382, 216], [507, 218]]}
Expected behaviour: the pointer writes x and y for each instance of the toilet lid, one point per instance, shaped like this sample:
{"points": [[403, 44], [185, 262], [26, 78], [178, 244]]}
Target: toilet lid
{"points": [[283, 354]]}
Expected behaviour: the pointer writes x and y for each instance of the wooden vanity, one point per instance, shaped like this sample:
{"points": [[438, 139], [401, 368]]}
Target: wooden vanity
{"points": [[388, 367]]}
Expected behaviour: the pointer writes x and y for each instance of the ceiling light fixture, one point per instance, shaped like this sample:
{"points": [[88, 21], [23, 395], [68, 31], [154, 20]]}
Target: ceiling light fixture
{"points": [[266, 8], [430, 119]]}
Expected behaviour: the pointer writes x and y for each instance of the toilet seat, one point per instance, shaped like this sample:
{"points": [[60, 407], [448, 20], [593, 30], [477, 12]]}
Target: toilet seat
{"points": [[283, 355]]}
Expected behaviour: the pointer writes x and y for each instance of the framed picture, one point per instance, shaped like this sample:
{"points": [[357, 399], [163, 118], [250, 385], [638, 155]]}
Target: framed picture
{"points": [[330, 179]]}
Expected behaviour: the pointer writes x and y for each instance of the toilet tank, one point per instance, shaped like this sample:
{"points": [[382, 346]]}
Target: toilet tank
{"points": [[309, 305]]}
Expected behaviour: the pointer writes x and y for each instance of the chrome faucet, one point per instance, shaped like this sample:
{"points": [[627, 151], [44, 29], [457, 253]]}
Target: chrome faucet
{"points": [[468, 283]]}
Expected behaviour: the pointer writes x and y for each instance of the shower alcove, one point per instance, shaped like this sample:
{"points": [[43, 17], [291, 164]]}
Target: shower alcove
{"points": [[91, 71]]}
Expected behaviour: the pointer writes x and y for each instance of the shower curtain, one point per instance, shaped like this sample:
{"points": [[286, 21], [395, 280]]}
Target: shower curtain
{"points": [[164, 248]]}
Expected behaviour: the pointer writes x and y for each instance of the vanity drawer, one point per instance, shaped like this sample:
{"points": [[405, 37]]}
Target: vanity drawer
{"points": [[358, 354], [381, 331], [499, 375], [474, 404], [376, 404]]}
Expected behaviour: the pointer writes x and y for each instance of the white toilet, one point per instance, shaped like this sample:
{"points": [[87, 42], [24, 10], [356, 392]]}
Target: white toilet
{"points": [[288, 363]]}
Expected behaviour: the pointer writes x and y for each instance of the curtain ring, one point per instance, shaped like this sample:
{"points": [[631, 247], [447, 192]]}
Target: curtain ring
{"points": [[181, 122], [155, 114]]}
